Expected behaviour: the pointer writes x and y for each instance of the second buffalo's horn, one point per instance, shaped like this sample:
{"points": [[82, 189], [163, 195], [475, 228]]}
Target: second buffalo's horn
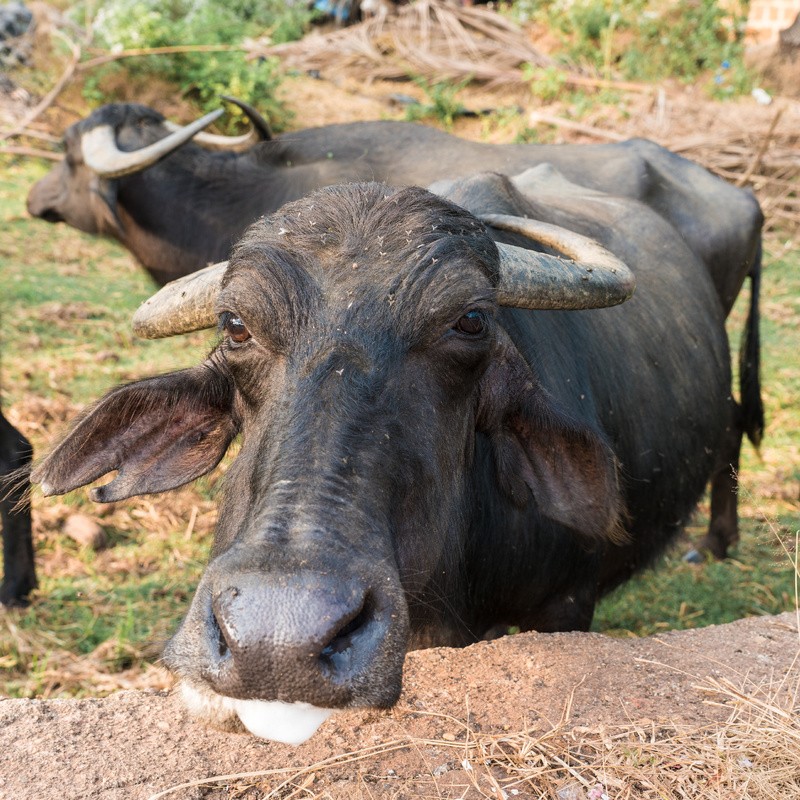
{"points": [[103, 156], [259, 131]]}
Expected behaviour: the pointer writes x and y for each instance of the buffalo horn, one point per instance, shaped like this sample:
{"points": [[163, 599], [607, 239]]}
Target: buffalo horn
{"points": [[588, 277], [182, 306], [258, 122], [259, 132], [102, 155], [216, 141]]}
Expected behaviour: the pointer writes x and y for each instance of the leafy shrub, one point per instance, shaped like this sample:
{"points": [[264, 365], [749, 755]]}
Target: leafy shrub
{"points": [[443, 104], [204, 76], [546, 83], [646, 39]]}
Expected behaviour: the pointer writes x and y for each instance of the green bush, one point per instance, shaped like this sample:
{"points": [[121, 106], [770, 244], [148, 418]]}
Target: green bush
{"points": [[646, 39], [443, 104], [203, 76]]}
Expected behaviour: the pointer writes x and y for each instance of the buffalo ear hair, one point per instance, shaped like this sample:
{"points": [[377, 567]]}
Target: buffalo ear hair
{"points": [[542, 455], [158, 433]]}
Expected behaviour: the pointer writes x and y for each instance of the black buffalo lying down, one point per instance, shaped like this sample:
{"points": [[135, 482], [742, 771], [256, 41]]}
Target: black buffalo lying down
{"points": [[424, 459]]}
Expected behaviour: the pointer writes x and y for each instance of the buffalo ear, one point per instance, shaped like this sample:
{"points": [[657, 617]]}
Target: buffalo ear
{"points": [[105, 207], [540, 453], [158, 433]]}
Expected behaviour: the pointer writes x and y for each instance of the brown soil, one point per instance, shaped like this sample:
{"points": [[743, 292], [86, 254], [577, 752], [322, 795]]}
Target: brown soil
{"points": [[135, 744]]}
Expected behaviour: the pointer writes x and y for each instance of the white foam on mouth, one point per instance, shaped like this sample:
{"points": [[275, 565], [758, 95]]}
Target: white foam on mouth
{"points": [[290, 723]]}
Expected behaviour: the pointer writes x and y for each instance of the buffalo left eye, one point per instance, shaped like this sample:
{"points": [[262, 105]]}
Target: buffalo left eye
{"points": [[234, 327], [472, 323]]}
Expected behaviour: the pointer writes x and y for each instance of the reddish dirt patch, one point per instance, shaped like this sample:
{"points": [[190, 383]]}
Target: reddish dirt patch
{"points": [[135, 744]]}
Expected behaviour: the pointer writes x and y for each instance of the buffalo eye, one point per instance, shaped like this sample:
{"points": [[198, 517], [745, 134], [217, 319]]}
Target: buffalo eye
{"points": [[472, 323], [234, 327]]}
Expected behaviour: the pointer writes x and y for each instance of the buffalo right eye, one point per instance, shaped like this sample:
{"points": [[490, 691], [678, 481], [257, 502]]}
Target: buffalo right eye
{"points": [[234, 327], [472, 323]]}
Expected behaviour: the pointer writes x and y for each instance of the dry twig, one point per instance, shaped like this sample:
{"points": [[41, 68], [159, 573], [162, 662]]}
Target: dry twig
{"points": [[33, 152]]}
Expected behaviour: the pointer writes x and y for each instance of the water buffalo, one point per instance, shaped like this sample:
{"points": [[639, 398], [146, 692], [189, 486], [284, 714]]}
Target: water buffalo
{"points": [[19, 574], [178, 205], [424, 460]]}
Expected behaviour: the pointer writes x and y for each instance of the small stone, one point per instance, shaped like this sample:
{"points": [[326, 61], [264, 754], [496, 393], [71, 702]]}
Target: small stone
{"points": [[85, 531], [572, 791]]}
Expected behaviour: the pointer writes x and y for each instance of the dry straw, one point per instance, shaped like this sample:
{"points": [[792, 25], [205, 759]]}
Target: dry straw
{"points": [[753, 755]]}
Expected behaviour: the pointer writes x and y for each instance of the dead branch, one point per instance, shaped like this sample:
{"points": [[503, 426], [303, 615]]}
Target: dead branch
{"points": [[578, 127], [761, 150], [14, 150], [107, 58]]}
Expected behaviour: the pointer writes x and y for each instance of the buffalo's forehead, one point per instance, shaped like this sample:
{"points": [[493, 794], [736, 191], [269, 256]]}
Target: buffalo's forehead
{"points": [[137, 124], [404, 255]]}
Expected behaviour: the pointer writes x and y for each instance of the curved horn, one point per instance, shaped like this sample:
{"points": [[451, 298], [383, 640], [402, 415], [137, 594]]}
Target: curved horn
{"points": [[256, 120], [182, 306], [589, 277], [259, 132], [216, 141], [102, 155]]}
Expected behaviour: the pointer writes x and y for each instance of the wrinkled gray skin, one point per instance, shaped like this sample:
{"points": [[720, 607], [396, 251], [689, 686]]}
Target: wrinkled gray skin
{"points": [[409, 476], [188, 210]]}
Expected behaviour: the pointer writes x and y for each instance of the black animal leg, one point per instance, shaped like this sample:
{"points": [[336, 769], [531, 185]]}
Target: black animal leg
{"points": [[19, 570], [723, 527]]}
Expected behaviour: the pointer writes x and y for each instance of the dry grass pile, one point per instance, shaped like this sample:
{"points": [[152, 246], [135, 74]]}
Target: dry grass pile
{"points": [[753, 755], [746, 143], [429, 38], [764, 157]]}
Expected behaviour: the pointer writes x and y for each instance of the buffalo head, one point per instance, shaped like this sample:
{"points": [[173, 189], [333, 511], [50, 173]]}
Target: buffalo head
{"points": [[383, 410], [107, 156]]}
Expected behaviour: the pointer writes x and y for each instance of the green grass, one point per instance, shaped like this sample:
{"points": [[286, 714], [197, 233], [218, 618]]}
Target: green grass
{"points": [[647, 40], [97, 618]]}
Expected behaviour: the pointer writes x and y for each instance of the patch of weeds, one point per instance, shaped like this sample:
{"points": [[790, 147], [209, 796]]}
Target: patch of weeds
{"points": [[443, 104], [676, 595], [647, 40], [528, 135], [582, 103], [507, 123], [730, 79], [546, 83], [201, 76]]}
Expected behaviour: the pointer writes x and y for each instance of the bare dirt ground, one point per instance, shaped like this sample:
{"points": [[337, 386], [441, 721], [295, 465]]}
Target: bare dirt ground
{"points": [[454, 734]]}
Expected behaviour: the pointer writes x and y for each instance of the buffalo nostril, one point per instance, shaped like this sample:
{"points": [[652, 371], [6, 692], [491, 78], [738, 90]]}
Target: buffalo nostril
{"points": [[222, 645], [223, 648], [50, 215], [338, 655]]}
